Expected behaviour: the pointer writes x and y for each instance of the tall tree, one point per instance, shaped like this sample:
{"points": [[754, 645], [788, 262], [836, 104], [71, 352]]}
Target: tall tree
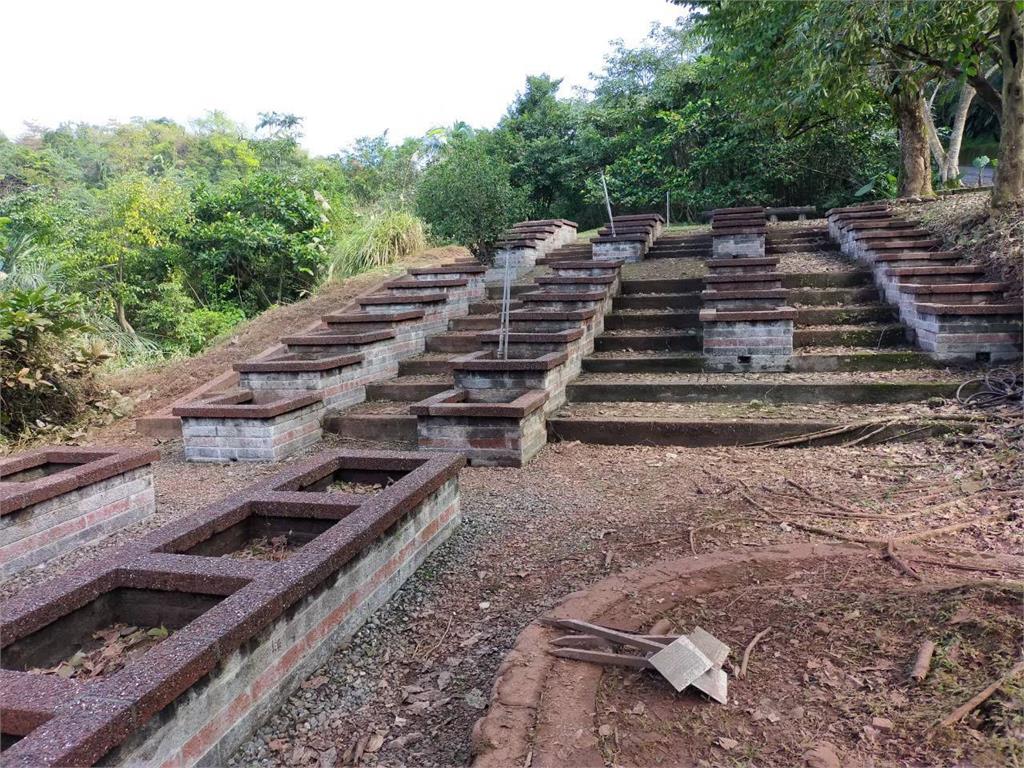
{"points": [[787, 56], [1009, 187]]}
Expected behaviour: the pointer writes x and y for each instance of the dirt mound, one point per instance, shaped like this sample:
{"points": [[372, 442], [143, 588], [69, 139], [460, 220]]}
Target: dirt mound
{"points": [[965, 221], [828, 679], [158, 386]]}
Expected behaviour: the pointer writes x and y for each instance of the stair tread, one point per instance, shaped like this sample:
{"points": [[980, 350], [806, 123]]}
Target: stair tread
{"points": [[759, 411]]}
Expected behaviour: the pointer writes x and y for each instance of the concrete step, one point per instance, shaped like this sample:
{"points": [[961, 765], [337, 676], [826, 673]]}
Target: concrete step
{"points": [[668, 362], [697, 433], [663, 389], [454, 342], [799, 247], [662, 342], [494, 291], [376, 428], [658, 301], [492, 307], [425, 365], [408, 389], [474, 323], [846, 315], [689, 285], [832, 296], [869, 336], [615, 321], [843, 315], [678, 253]]}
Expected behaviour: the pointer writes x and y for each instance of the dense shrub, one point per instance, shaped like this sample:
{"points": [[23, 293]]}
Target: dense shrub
{"points": [[46, 363], [256, 243], [172, 318], [466, 196]]}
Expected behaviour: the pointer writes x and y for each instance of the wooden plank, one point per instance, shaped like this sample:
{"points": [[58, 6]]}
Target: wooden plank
{"points": [[599, 657], [623, 638]]}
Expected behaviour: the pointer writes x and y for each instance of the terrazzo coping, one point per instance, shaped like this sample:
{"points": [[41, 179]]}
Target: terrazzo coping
{"points": [[453, 402], [90, 466], [295, 364]]}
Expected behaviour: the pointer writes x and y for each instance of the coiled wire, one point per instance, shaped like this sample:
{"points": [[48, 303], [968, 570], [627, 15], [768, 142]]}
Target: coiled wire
{"points": [[999, 386]]}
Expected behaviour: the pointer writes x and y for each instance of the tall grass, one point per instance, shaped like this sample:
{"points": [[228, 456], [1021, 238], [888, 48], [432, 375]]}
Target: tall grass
{"points": [[376, 240]]}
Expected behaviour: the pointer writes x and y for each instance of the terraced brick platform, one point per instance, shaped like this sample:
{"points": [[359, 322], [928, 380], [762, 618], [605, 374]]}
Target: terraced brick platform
{"points": [[55, 499], [243, 600]]}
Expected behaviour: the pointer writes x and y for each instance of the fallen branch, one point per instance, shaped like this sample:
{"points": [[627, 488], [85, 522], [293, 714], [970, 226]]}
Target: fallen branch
{"points": [[923, 662], [869, 435], [976, 701], [822, 500], [929, 532], [902, 565], [748, 649], [966, 566], [809, 437]]}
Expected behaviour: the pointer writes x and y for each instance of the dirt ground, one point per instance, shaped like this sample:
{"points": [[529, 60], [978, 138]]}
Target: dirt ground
{"points": [[410, 686], [965, 222]]}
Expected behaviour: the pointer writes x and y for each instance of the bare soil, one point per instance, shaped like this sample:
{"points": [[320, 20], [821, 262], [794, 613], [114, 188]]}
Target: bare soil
{"points": [[157, 387]]}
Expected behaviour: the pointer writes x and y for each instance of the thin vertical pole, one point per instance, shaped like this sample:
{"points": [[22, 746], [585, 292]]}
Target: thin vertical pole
{"points": [[608, 203], [506, 300], [668, 211]]}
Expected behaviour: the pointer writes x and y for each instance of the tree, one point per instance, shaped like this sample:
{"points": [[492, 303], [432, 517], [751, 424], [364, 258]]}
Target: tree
{"points": [[132, 239], [1009, 186], [256, 242], [537, 137], [466, 195], [831, 53]]}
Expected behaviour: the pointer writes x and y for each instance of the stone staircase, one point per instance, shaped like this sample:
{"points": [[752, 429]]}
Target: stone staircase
{"points": [[647, 382], [384, 417]]}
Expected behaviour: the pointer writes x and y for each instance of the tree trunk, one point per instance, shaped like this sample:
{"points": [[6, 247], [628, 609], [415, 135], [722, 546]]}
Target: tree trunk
{"points": [[1009, 186], [951, 170], [915, 166]]}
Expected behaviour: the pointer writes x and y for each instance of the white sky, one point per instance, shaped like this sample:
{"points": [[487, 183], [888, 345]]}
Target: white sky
{"points": [[350, 69]]}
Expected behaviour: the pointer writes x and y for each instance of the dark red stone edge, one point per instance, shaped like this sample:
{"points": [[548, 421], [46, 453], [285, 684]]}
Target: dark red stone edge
{"points": [[93, 466]]}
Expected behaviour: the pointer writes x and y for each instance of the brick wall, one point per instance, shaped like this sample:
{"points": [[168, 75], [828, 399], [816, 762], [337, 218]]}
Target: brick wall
{"points": [[767, 344], [485, 441], [628, 251], [742, 246], [245, 439], [42, 531], [205, 725]]}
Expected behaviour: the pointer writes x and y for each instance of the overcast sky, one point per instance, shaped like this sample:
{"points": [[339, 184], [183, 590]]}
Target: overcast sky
{"points": [[349, 69]]}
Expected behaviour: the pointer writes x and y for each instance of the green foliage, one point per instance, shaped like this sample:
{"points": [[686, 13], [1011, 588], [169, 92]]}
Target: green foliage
{"points": [[384, 175], [172, 318], [376, 240], [467, 196], [46, 363], [256, 243]]}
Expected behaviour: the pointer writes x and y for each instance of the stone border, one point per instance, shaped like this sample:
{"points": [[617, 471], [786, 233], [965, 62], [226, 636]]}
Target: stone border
{"points": [[69, 722], [92, 466], [528, 682]]}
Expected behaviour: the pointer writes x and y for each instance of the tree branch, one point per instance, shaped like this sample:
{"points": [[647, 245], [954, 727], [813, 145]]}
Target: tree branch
{"points": [[986, 92]]}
